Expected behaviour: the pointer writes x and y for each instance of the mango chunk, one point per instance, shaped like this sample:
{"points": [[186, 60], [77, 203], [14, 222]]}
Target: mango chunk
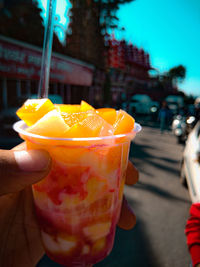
{"points": [[74, 118], [108, 114], [34, 109], [85, 106], [91, 126], [51, 125], [124, 123], [97, 231], [68, 108]]}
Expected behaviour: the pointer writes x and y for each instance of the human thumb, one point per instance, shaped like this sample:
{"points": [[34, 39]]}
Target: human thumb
{"points": [[19, 169]]}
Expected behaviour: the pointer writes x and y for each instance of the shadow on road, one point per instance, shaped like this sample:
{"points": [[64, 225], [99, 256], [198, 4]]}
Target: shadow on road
{"points": [[157, 190], [169, 160], [143, 152]]}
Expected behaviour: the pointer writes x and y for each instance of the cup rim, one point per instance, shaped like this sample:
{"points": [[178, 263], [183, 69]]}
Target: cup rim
{"points": [[20, 127]]}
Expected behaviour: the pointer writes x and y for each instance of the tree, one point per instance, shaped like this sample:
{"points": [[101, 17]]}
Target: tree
{"points": [[177, 74], [22, 20], [107, 10], [89, 24], [84, 38]]}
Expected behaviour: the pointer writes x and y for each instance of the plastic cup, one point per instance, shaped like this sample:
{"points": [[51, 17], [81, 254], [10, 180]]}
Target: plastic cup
{"points": [[78, 204]]}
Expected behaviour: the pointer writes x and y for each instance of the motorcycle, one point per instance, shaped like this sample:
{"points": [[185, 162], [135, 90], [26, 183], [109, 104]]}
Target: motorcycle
{"points": [[179, 128]]}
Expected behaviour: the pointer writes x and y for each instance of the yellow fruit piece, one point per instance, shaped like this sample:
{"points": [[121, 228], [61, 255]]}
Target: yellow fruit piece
{"points": [[85, 106], [68, 108], [85, 250], [96, 188], [69, 155], [74, 118], [91, 126], [99, 245], [114, 157], [71, 202], [124, 123], [34, 109], [97, 231], [51, 125], [108, 114], [103, 208]]}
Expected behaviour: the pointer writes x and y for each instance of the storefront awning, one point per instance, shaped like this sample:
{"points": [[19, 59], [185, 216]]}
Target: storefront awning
{"points": [[19, 60]]}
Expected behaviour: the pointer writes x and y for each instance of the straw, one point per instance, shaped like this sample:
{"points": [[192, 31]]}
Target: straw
{"points": [[47, 49]]}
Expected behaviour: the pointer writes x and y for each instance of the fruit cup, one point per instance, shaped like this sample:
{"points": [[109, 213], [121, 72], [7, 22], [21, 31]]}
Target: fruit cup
{"points": [[78, 204]]}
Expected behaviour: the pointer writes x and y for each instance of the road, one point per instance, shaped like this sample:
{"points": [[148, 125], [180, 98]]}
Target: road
{"points": [[160, 203]]}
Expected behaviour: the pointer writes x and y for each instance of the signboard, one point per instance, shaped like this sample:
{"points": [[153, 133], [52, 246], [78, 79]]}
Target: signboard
{"points": [[22, 61]]}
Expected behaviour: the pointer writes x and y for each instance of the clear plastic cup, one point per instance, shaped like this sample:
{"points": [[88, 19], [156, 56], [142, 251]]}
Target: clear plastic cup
{"points": [[78, 204]]}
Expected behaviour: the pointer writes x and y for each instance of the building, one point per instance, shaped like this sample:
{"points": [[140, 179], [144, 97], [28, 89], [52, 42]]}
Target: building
{"points": [[130, 73], [129, 68], [20, 72]]}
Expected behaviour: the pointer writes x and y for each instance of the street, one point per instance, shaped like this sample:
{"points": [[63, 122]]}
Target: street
{"points": [[161, 205]]}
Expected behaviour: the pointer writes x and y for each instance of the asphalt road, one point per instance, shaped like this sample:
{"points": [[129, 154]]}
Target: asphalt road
{"points": [[161, 205]]}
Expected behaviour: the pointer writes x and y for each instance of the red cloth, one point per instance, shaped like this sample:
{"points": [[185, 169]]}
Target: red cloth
{"points": [[192, 231]]}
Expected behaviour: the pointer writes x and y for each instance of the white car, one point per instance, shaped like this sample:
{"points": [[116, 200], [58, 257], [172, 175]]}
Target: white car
{"points": [[140, 104], [190, 169]]}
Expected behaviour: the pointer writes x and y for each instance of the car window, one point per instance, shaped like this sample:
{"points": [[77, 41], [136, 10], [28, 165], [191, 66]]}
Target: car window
{"points": [[198, 130]]}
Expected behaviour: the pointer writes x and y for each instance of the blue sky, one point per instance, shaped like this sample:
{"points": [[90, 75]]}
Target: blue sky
{"points": [[62, 7], [168, 30]]}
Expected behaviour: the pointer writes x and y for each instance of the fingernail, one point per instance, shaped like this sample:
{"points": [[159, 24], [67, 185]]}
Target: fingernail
{"points": [[32, 160]]}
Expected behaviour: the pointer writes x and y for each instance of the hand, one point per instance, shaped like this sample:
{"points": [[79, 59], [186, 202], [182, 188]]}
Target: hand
{"points": [[21, 244], [19, 233], [127, 218]]}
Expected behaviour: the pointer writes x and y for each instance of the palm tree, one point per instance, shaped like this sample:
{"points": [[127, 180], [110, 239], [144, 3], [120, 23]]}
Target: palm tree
{"points": [[177, 74]]}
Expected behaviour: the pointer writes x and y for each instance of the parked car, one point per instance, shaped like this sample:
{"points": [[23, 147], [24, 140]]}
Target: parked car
{"points": [[56, 99], [140, 104], [190, 167]]}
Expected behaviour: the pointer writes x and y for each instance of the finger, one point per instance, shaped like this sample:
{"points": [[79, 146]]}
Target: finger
{"points": [[127, 218], [132, 174], [21, 146], [19, 169]]}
